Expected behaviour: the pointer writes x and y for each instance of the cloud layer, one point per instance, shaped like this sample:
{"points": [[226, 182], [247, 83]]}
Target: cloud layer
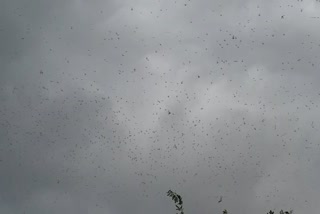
{"points": [[106, 105]]}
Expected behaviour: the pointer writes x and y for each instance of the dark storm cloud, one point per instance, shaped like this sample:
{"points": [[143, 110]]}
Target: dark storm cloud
{"points": [[105, 105]]}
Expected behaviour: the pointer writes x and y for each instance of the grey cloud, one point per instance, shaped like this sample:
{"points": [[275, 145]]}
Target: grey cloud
{"points": [[106, 105]]}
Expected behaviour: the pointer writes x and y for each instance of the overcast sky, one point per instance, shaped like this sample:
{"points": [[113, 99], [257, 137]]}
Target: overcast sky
{"points": [[106, 105]]}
